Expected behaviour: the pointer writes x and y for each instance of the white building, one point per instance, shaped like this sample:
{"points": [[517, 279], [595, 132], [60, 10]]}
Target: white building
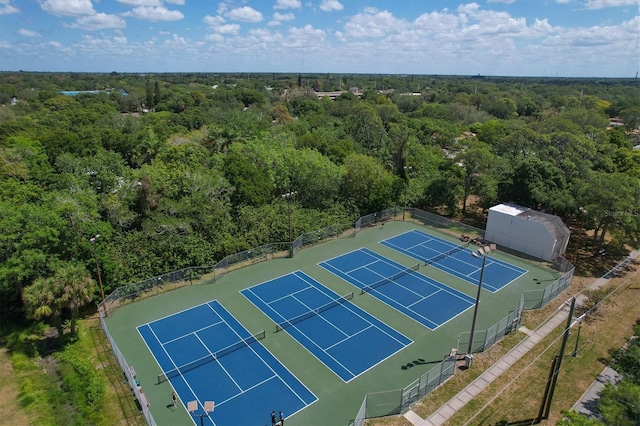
{"points": [[538, 234]]}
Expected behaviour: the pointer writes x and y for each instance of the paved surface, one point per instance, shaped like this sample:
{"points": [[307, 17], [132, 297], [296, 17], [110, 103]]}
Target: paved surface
{"points": [[451, 407], [587, 403]]}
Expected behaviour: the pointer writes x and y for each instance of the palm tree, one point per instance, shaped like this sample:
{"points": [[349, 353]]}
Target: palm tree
{"points": [[40, 300], [70, 288], [76, 289]]}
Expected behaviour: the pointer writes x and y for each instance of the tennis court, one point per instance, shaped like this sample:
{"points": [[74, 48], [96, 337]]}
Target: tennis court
{"points": [[424, 299], [346, 339], [207, 355], [456, 260]]}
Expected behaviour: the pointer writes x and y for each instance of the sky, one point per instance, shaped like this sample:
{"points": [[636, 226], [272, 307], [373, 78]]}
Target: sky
{"points": [[548, 38]]}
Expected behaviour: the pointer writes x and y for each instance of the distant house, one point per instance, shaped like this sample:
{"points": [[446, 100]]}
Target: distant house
{"points": [[538, 234], [333, 95]]}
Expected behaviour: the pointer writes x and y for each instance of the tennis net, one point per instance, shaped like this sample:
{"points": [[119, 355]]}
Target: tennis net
{"points": [[392, 278], [446, 254], [163, 377], [339, 301]]}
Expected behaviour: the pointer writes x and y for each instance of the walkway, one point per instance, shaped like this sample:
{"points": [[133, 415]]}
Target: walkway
{"points": [[451, 407]]}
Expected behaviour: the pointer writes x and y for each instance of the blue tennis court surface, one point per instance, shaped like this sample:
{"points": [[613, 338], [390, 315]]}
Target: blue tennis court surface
{"points": [[201, 352], [345, 338], [460, 263], [424, 299]]}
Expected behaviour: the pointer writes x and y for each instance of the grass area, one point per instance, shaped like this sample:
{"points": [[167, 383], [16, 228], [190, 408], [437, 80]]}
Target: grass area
{"points": [[515, 397], [76, 382], [34, 388], [10, 412]]}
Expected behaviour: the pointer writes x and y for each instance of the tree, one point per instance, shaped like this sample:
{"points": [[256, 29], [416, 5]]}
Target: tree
{"points": [[69, 288], [252, 186], [612, 200], [539, 185], [76, 289], [477, 163], [368, 184], [572, 418], [40, 301], [620, 404]]}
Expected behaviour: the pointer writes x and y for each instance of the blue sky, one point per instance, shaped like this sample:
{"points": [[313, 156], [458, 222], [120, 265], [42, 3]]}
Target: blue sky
{"points": [[572, 38]]}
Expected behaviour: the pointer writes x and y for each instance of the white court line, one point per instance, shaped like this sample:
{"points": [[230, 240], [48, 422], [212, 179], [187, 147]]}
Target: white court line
{"points": [[339, 342], [311, 340], [318, 314], [275, 376], [355, 310], [176, 368], [383, 296], [262, 359], [191, 332], [219, 363], [289, 294]]}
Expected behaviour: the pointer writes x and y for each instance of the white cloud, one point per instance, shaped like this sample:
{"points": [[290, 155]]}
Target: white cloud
{"points": [[6, 8], [178, 2], [28, 33], [230, 29], [99, 21], [330, 5], [154, 14], [213, 20], [287, 4], [67, 7], [244, 14], [139, 3], [283, 16], [373, 23], [601, 4], [216, 38]]}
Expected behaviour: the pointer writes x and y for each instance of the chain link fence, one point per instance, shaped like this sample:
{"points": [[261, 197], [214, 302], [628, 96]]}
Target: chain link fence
{"points": [[130, 374], [375, 404]]}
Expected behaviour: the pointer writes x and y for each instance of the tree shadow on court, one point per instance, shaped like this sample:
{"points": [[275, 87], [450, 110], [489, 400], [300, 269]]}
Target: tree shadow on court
{"points": [[418, 362]]}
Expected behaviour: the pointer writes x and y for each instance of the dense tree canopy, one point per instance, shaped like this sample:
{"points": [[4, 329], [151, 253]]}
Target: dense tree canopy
{"points": [[176, 170]]}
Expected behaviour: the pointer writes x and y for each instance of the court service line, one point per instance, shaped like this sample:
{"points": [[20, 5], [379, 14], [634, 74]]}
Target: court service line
{"points": [[289, 294], [318, 314], [275, 376], [191, 332], [219, 363], [351, 307], [311, 341], [363, 265], [392, 302], [349, 337], [262, 359], [176, 368], [425, 279]]}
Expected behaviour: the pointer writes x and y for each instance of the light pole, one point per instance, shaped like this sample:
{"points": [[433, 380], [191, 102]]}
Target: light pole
{"points": [[482, 252], [407, 169], [287, 196], [95, 256]]}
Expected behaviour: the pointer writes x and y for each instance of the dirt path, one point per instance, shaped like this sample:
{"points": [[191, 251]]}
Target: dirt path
{"points": [[10, 412]]}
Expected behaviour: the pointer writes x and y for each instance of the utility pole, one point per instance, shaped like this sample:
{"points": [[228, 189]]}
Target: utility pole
{"points": [[545, 406]]}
